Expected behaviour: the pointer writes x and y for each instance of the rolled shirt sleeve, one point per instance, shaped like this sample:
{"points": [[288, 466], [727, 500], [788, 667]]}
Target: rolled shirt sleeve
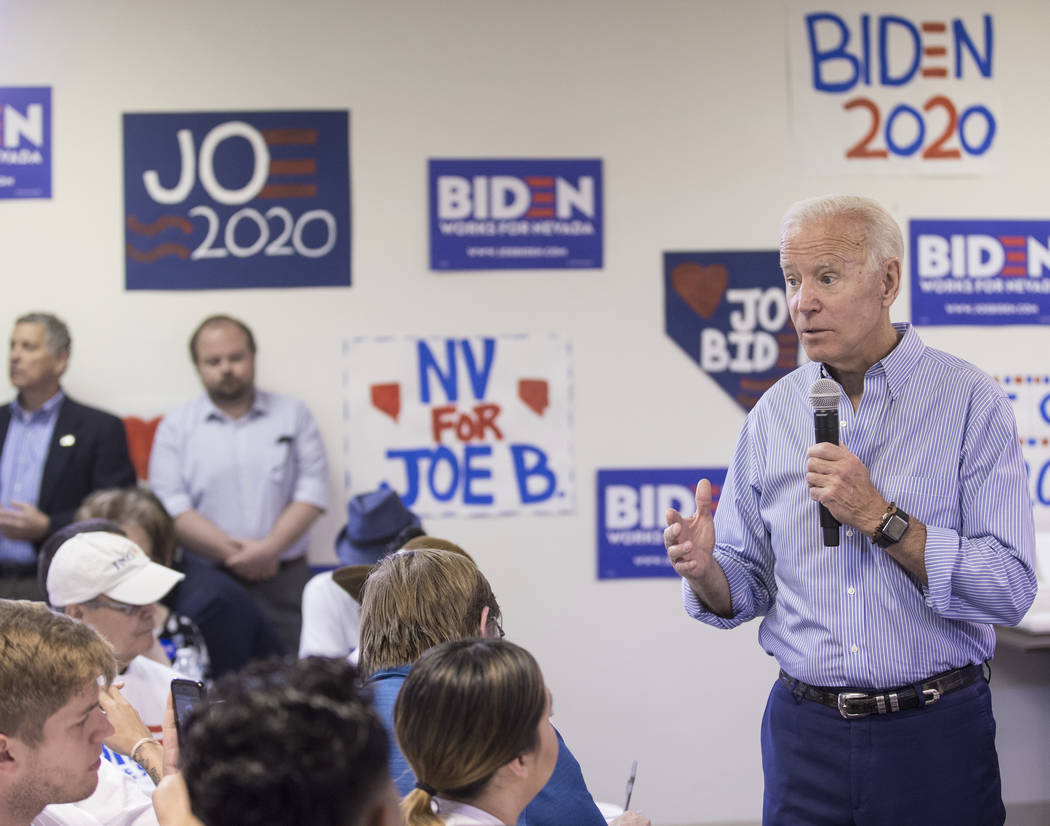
{"points": [[982, 570], [165, 475], [743, 548], [311, 483]]}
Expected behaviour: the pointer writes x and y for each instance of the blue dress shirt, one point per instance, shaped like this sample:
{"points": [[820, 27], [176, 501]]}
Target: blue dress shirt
{"points": [[939, 439], [22, 466]]}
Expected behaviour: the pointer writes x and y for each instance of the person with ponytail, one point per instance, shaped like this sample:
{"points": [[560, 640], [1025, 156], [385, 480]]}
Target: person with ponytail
{"points": [[420, 597], [473, 721]]}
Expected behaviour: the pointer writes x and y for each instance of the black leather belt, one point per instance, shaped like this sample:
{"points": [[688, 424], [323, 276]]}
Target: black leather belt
{"points": [[851, 703]]}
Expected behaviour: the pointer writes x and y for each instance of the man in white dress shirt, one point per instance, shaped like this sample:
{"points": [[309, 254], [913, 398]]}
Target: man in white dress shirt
{"points": [[243, 473]]}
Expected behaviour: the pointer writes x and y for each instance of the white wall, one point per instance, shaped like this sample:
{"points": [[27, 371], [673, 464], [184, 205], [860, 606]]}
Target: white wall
{"points": [[687, 104]]}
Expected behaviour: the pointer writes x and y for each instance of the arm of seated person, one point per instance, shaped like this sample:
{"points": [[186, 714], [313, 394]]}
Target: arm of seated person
{"points": [[130, 733], [631, 818], [171, 802]]}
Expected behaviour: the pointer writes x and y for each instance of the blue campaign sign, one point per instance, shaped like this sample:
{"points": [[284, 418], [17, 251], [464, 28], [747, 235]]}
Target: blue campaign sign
{"points": [[728, 312], [236, 199], [515, 214], [25, 141], [631, 507], [980, 272]]}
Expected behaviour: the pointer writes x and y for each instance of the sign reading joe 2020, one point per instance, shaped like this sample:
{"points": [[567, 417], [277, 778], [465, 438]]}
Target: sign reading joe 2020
{"points": [[461, 426], [236, 199]]}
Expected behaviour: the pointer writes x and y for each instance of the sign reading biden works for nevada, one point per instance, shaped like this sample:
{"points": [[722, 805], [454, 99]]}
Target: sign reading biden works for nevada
{"points": [[515, 214], [237, 199], [728, 312], [25, 141], [1031, 402], [912, 92], [631, 507], [980, 272], [461, 426]]}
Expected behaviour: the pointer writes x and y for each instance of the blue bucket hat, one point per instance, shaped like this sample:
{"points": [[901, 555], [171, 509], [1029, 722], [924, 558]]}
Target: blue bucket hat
{"points": [[377, 523]]}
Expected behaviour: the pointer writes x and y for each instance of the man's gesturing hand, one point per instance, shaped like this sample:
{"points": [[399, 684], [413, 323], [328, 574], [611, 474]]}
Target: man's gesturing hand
{"points": [[690, 545], [690, 542]]}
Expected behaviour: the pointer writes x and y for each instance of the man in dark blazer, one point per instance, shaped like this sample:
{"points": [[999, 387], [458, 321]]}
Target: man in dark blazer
{"points": [[53, 451]]}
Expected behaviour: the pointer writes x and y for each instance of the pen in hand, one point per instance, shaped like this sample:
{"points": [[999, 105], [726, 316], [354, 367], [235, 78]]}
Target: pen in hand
{"points": [[630, 785]]}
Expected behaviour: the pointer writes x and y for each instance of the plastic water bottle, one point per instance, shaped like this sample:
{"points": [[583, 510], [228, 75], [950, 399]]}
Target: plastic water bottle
{"points": [[187, 662]]}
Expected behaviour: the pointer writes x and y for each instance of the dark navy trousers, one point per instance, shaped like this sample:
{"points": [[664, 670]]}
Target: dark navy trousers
{"points": [[932, 766]]}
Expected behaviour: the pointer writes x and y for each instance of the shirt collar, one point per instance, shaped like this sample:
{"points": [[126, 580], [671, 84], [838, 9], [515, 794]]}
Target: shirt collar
{"points": [[899, 363], [386, 673], [260, 407], [46, 410], [448, 807]]}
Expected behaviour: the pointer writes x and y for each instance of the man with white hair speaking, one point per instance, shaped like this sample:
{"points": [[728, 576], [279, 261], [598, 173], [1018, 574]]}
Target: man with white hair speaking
{"points": [[882, 713]]}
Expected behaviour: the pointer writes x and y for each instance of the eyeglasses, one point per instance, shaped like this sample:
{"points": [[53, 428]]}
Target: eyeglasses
{"points": [[113, 605], [494, 623]]}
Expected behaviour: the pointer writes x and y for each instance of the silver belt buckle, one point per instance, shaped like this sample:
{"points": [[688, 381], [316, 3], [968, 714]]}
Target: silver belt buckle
{"points": [[844, 697]]}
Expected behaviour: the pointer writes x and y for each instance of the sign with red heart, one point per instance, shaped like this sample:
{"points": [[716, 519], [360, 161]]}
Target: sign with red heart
{"points": [[728, 312]]}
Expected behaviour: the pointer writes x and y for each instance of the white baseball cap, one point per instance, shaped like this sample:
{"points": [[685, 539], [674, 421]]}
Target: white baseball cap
{"points": [[92, 564]]}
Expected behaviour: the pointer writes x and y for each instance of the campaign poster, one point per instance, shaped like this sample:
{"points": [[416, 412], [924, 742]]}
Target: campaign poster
{"points": [[461, 425], [228, 200], [907, 89], [490, 214], [1030, 395], [980, 272], [728, 312], [631, 508], [25, 142]]}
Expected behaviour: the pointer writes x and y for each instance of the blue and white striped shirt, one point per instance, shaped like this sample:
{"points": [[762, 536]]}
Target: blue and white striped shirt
{"points": [[938, 437]]}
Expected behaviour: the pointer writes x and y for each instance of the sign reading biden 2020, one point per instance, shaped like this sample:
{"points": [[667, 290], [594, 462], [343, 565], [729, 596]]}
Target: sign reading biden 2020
{"points": [[909, 89], [631, 507], [461, 426], [515, 214], [980, 272], [729, 313], [236, 199], [25, 141]]}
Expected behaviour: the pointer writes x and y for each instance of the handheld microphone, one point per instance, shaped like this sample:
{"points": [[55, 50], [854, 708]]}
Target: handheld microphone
{"points": [[824, 396]]}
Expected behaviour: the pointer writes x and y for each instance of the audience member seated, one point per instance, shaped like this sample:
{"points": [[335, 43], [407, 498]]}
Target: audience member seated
{"points": [[106, 581], [54, 674], [473, 720], [416, 599], [234, 628], [172, 633], [377, 524], [293, 743]]}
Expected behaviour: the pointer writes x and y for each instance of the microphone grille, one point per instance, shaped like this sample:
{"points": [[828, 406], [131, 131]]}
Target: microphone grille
{"points": [[824, 395]]}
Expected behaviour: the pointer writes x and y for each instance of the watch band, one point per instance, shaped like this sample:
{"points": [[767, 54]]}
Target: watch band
{"points": [[892, 526]]}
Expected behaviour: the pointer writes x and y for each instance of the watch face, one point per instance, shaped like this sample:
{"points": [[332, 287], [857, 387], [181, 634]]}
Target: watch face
{"points": [[896, 525]]}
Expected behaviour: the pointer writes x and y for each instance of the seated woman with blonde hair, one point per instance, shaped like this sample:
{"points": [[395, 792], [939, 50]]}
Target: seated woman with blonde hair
{"points": [[473, 722]]}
